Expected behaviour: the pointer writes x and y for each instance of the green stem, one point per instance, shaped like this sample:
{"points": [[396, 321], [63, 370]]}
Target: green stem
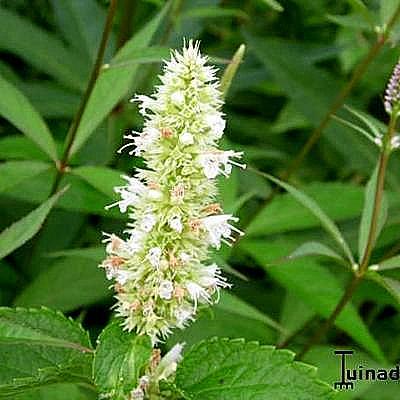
{"points": [[363, 268], [63, 165]]}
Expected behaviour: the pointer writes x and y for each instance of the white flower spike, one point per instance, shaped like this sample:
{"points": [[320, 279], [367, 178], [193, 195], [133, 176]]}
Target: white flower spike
{"points": [[161, 270]]}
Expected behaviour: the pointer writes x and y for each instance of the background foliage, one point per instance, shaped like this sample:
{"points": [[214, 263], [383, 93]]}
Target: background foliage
{"points": [[300, 53]]}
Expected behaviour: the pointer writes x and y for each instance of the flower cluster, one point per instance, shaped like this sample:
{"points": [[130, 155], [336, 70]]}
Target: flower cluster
{"points": [[161, 269], [392, 94]]}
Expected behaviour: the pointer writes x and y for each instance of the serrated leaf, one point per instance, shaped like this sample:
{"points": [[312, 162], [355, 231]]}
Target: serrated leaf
{"points": [[233, 369], [313, 207], [365, 224], [314, 249], [119, 360], [113, 84], [39, 347], [21, 231], [68, 284], [16, 108], [12, 173], [316, 286], [41, 49]]}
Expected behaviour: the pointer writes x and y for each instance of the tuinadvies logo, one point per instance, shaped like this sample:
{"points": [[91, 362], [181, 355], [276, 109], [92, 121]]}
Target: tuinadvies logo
{"points": [[349, 376]]}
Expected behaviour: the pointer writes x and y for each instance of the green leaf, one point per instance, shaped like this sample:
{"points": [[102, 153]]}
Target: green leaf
{"points": [[314, 249], [274, 5], [365, 224], [24, 229], [81, 23], [68, 284], [120, 360], [214, 12], [113, 84], [234, 304], [39, 347], [390, 263], [231, 69], [41, 49], [389, 284], [20, 147], [102, 179], [316, 286], [18, 110], [315, 210], [12, 173], [59, 391], [284, 215], [223, 369]]}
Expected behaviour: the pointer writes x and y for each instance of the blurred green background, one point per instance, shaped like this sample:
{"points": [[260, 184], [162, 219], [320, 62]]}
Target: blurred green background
{"points": [[300, 54]]}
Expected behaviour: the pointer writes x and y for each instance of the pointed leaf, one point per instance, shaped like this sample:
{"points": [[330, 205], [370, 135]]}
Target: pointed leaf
{"points": [[21, 231], [41, 49], [113, 84], [314, 249], [16, 108], [12, 173], [365, 224], [390, 263], [315, 209]]}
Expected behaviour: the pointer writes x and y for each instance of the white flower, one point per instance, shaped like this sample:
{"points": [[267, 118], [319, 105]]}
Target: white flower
{"points": [[137, 394], [212, 163], [178, 98], [197, 293], [169, 362], [219, 229], [154, 256], [148, 222], [185, 257], [176, 224], [165, 290], [216, 124], [122, 276], [183, 314], [186, 138]]}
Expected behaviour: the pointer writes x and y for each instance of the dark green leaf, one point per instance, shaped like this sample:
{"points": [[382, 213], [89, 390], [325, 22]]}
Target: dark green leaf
{"points": [[68, 284], [233, 369], [39, 347], [17, 109], [24, 229]]}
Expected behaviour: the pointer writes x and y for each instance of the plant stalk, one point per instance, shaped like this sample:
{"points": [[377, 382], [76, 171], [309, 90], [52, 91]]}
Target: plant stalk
{"points": [[63, 165], [363, 268]]}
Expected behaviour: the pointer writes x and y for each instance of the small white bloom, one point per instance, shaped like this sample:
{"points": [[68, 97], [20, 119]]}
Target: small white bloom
{"points": [[122, 276], [148, 222], [178, 98], [197, 293], [186, 138], [185, 257], [154, 256], [216, 124], [395, 142], [169, 362], [154, 194], [219, 229], [183, 315], [165, 290], [176, 224], [212, 163], [137, 394]]}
